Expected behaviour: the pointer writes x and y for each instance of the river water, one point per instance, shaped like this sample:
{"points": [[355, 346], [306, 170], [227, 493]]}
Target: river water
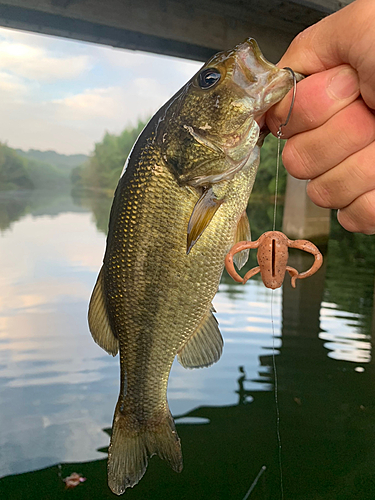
{"points": [[58, 389]]}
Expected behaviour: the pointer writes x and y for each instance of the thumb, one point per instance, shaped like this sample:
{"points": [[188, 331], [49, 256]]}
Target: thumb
{"points": [[347, 36]]}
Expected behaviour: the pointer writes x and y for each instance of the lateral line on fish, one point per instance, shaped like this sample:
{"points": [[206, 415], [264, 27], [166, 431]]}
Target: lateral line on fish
{"points": [[279, 135]]}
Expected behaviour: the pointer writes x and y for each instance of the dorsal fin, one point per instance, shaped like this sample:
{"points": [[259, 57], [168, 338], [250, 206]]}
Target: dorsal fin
{"points": [[100, 328], [242, 234], [205, 346]]}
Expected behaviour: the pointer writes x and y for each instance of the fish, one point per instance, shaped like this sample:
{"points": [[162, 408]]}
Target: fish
{"points": [[179, 207]]}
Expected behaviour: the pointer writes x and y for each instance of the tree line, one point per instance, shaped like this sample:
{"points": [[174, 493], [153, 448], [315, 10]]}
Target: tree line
{"points": [[18, 172], [103, 168]]}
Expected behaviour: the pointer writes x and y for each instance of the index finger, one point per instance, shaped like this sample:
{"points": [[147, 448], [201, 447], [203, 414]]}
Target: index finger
{"points": [[318, 97]]}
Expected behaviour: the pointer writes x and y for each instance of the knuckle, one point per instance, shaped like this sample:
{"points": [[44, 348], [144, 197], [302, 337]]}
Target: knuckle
{"points": [[368, 220], [359, 129], [359, 216], [308, 115], [346, 221], [320, 195], [295, 160], [359, 172]]}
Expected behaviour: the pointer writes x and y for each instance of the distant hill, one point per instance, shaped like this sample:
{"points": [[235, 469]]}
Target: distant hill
{"points": [[21, 171], [63, 162]]}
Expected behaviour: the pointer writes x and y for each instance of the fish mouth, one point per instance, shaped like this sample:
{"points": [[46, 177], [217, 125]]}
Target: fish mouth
{"points": [[253, 59], [276, 91], [263, 82], [278, 86]]}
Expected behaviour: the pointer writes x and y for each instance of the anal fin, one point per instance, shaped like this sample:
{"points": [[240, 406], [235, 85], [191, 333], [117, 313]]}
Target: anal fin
{"points": [[100, 328], [242, 234], [205, 346]]}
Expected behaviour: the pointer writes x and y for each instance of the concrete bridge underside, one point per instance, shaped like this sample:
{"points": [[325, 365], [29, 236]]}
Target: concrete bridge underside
{"points": [[193, 29]]}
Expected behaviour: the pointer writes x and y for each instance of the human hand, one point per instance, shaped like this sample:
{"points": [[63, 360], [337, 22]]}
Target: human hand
{"points": [[332, 126]]}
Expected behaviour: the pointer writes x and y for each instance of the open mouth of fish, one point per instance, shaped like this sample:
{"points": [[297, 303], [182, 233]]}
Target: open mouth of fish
{"points": [[261, 120]]}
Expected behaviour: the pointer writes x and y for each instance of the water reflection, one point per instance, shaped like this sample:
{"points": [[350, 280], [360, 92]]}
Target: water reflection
{"points": [[14, 205], [49, 364], [58, 388], [244, 395], [99, 204], [341, 330]]}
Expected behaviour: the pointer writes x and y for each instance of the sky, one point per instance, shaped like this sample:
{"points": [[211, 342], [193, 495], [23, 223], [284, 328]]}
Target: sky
{"points": [[64, 95]]}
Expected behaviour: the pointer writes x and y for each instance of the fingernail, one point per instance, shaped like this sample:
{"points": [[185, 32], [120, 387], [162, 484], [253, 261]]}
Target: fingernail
{"points": [[344, 84]]}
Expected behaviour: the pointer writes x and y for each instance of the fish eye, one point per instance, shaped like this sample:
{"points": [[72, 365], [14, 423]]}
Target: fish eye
{"points": [[208, 78]]}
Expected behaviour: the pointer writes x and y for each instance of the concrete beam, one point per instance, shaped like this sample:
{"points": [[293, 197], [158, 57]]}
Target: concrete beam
{"points": [[302, 219], [57, 25], [192, 28]]}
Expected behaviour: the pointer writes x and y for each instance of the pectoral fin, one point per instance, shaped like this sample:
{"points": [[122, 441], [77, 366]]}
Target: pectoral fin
{"points": [[205, 346], [100, 328], [242, 234], [201, 216]]}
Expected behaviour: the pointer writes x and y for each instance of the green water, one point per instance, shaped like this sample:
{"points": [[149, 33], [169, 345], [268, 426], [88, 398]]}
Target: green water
{"points": [[58, 389]]}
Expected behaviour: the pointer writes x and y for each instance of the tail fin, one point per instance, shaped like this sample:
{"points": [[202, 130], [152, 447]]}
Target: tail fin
{"points": [[130, 449]]}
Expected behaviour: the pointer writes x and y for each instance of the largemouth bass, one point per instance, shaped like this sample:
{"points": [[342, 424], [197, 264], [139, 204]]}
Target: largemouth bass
{"points": [[178, 209]]}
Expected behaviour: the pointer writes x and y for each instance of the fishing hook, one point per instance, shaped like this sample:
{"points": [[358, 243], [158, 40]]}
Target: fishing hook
{"points": [[291, 104]]}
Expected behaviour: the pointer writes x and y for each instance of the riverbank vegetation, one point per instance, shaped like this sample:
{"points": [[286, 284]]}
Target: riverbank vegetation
{"points": [[102, 170], [20, 170]]}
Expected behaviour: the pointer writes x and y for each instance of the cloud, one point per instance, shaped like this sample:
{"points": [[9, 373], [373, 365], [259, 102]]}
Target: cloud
{"points": [[92, 103], [73, 124], [115, 106], [35, 63], [63, 95], [11, 86]]}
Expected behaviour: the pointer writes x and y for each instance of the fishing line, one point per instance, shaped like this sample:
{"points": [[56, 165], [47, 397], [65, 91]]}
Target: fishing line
{"points": [[279, 135], [254, 483]]}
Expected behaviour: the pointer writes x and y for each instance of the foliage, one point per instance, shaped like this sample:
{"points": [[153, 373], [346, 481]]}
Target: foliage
{"points": [[62, 162], [103, 168], [265, 181], [14, 173], [45, 176], [17, 172]]}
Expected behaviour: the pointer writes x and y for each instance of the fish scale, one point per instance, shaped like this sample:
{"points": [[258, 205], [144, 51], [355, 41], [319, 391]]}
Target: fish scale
{"points": [[162, 239], [178, 209]]}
